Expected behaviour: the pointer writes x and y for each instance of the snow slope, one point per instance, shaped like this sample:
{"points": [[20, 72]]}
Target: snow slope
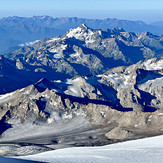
{"points": [[137, 151], [14, 160]]}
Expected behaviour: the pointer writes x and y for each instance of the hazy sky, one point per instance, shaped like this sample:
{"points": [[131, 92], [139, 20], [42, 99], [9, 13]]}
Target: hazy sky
{"points": [[146, 10]]}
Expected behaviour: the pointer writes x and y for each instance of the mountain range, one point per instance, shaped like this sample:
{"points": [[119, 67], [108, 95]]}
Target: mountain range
{"points": [[158, 24], [15, 31], [87, 87], [123, 103], [80, 51]]}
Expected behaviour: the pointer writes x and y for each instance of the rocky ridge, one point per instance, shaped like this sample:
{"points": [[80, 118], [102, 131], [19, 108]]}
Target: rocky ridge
{"points": [[82, 51], [123, 103], [18, 31]]}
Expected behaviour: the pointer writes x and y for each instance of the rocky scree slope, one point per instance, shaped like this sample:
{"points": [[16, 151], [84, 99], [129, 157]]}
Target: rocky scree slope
{"points": [[123, 103], [84, 51]]}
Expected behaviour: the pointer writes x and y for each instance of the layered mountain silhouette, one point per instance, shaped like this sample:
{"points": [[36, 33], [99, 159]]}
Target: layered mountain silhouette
{"points": [[80, 51], [19, 30], [124, 103], [87, 87]]}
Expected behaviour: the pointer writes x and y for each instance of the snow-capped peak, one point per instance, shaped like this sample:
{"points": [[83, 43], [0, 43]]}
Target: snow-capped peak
{"points": [[117, 30], [154, 64], [83, 26], [80, 32], [29, 43]]}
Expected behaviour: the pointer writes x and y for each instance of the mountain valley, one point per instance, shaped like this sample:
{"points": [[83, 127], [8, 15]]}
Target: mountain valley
{"points": [[80, 51], [123, 103], [87, 87]]}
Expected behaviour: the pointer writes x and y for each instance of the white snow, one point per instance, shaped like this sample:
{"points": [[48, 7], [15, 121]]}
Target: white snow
{"points": [[53, 39], [74, 88], [29, 43], [73, 32], [53, 51], [77, 86], [5, 97], [121, 81], [75, 54], [13, 160], [137, 151], [78, 33], [57, 125], [57, 55], [151, 83], [153, 66], [63, 47], [57, 81], [90, 41], [58, 51]]}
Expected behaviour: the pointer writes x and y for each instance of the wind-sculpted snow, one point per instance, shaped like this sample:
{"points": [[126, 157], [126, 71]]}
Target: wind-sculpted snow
{"points": [[136, 151], [153, 64]]}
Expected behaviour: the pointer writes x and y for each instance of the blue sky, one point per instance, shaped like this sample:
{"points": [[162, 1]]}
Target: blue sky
{"points": [[146, 10]]}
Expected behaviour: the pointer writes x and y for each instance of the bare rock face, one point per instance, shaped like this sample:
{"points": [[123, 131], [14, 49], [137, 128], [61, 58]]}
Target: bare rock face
{"points": [[80, 51], [118, 133], [94, 50], [124, 103], [96, 106]]}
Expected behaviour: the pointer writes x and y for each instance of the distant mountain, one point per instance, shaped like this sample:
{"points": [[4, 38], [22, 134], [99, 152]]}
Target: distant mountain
{"points": [[82, 51], [11, 77], [24, 29], [67, 91], [158, 24], [65, 23], [7, 45], [12, 34]]}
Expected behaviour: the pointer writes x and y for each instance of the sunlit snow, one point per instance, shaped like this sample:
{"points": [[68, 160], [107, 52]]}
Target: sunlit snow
{"points": [[137, 151]]}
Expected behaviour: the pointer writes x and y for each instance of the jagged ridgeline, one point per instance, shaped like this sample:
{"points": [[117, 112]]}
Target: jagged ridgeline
{"points": [[82, 99], [80, 51], [123, 103], [16, 31]]}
